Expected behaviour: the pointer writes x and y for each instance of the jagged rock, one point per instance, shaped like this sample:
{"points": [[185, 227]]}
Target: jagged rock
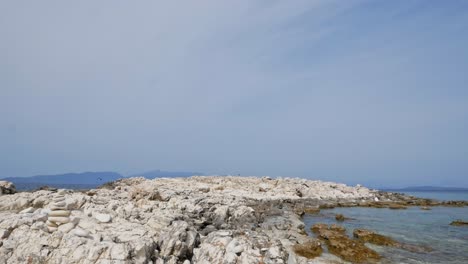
{"points": [[178, 240], [172, 220]]}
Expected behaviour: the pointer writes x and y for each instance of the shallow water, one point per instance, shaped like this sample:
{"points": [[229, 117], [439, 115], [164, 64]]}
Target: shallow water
{"points": [[413, 226]]}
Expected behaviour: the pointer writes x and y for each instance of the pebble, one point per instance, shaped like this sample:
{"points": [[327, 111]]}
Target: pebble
{"points": [[59, 204], [51, 229], [59, 219], [80, 232], [103, 218], [28, 210], [59, 213], [66, 227], [51, 224]]}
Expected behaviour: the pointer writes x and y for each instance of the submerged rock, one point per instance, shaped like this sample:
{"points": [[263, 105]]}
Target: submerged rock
{"points": [[339, 217], [369, 236], [339, 244], [459, 223]]}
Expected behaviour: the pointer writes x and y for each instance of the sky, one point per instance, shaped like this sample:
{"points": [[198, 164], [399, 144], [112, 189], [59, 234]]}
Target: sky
{"points": [[369, 92]]}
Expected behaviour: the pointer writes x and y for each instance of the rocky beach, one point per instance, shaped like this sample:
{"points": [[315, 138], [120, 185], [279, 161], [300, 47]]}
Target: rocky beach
{"points": [[201, 219]]}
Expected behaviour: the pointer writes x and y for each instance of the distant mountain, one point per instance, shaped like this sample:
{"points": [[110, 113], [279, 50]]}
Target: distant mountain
{"points": [[69, 180], [165, 174], [428, 189]]}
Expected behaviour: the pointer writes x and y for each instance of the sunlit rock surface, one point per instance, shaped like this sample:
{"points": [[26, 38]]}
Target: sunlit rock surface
{"points": [[179, 220]]}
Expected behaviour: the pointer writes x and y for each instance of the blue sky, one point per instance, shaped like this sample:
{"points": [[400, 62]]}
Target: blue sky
{"points": [[370, 92]]}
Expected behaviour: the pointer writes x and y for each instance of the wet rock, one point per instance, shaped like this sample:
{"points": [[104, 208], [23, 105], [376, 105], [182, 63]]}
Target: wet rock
{"points": [[351, 250], [339, 217], [396, 206], [368, 236], [309, 249], [339, 244]]}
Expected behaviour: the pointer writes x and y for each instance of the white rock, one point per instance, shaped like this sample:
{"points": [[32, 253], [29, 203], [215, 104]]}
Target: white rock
{"points": [[51, 224], [65, 228], [54, 208], [27, 210], [59, 204], [59, 213], [51, 229], [103, 218], [80, 232], [59, 219]]}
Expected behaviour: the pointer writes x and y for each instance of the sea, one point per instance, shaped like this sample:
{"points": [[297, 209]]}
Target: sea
{"points": [[430, 228]]}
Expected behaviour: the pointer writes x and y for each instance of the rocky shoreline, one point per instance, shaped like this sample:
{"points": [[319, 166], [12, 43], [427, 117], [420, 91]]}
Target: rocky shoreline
{"points": [[205, 219]]}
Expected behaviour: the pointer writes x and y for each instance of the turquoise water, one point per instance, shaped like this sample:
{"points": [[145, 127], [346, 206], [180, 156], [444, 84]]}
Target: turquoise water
{"points": [[414, 226], [443, 196]]}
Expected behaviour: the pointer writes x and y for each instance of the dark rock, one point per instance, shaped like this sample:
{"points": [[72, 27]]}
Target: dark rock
{"points": [[339, 217], [7, 187], [46, 188], [208, 229]]}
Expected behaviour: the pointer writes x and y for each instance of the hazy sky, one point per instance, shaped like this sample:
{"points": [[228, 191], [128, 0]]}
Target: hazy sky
{"points": [[371, 92]]}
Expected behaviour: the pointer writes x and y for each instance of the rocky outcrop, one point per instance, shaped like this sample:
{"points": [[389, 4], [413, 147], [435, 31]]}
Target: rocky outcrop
{"points": [[7, 187], [179, 220]]}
